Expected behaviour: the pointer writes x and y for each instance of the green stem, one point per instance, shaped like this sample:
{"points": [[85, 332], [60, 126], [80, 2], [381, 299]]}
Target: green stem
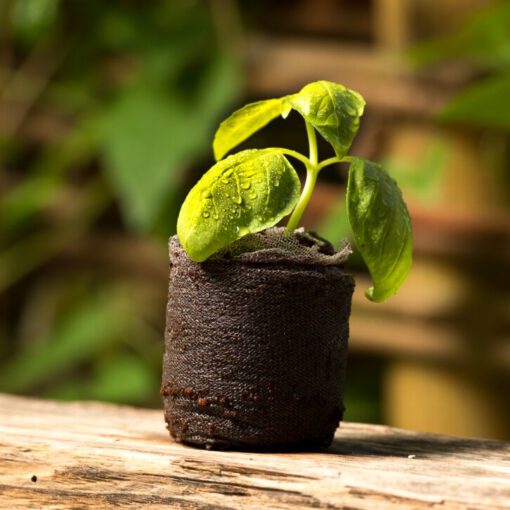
{"points": [[312, 170], [329, 161], [295, 155], [311, 177], [312, 143]]}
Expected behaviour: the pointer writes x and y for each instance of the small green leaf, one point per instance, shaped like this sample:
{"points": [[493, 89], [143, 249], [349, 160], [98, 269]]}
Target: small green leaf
{"points": [[381, 226], [333, 110], [242, 194], [244, 122]]}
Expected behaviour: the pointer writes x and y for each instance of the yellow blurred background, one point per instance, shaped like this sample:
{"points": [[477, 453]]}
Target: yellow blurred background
{"points": [[107, 113]]}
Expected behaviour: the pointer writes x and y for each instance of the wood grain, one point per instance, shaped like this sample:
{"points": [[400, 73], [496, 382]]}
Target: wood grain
{"points": [[91, 455]]}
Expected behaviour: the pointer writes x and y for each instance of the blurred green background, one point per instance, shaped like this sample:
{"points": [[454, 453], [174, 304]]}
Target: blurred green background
{"points": [[104, 108], [107, 113]]}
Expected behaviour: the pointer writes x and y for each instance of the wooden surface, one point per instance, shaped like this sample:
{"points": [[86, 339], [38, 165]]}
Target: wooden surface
{"points": [[90, 455]]}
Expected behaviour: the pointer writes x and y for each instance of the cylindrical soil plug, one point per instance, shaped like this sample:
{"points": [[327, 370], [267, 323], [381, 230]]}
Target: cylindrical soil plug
{"points": [[255, 351]]}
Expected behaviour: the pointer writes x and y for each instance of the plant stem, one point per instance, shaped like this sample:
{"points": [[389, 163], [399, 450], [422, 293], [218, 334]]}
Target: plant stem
{"points": [[295, 155], [311, 177], [329, 161], [312, 170], [312, 143]]}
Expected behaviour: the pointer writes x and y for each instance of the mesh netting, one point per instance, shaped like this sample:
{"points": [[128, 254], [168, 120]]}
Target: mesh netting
{"points": [[256, 343], [275, 244]]}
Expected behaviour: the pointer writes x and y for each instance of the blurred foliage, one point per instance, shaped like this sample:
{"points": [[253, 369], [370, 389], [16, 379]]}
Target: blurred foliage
{"points": [[104, 107], [421, 179], [484, 41]]}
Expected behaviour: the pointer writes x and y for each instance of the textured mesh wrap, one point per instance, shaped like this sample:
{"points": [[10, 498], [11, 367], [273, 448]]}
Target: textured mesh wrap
{"points": [[256, 344]]}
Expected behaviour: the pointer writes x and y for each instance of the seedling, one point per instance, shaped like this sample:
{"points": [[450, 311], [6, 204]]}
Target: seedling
{"points": [[254, 189]]}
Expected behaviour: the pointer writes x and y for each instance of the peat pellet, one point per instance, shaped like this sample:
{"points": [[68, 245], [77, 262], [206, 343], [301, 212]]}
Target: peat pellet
{"points": [[255, 351]]}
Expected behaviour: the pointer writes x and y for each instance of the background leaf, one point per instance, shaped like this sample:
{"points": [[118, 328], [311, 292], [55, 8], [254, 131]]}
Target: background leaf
{"points": [[150, 137], [141, 161], [485, 104], [381, 226], [333, 110], [244, 122], [484, 39], [242, 194]]}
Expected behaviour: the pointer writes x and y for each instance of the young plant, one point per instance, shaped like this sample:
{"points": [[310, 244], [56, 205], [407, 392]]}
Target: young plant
{"points": [[254, 189]]}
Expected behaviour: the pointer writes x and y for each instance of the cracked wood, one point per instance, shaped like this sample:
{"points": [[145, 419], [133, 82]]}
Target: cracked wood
{"points": [[89, 455]]}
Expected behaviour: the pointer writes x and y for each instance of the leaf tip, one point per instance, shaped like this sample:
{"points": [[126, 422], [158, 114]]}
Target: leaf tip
{"points": [[369, 294], [286, 108], [372, 295], [217, 150]]}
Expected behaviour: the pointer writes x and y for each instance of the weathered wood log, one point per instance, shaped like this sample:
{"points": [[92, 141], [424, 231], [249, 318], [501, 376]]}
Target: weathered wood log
{"points": [[89, 455]]}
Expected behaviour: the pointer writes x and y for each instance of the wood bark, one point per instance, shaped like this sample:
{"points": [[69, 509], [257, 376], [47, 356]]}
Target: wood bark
{"points": [[90, 455]]}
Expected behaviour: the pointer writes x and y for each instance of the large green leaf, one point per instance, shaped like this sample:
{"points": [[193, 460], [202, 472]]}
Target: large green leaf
{"points": [[150, 136], [244, 122], [242, 194], [381, 226], [333, 110], [146, 142]]}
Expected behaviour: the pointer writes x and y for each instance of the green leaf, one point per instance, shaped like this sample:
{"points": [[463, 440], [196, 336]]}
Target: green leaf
{"points": [[244, 122], [381, 226], [484, 104], [151, 135], [483, 39], [146, 143], [333, 110], [242, 194]]}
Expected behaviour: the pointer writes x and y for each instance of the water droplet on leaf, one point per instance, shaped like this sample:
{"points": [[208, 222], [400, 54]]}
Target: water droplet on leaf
{"points": [[351, 111]]}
